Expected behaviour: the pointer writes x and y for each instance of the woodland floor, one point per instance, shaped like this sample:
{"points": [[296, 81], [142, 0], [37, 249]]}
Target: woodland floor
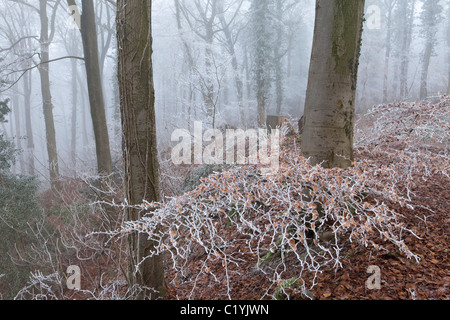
{"points": [[401, 278]]}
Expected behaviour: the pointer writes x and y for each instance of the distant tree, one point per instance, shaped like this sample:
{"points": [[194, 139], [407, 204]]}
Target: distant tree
{"points": [[282, 45], [201, 17], [262, 53], [389, 5], [448, 47], [404, 22], [137, 104], [94, 82], [230, 45], [330, 96], [431, 17], [46, 38]]}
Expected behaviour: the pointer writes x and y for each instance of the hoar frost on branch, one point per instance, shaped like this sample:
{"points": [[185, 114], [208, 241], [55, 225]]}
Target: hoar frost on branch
{"points": [[302, 211]]}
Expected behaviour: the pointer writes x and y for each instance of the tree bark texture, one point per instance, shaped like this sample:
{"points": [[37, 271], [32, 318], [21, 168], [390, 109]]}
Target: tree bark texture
{"points": [[330, 98], [137, 100]]}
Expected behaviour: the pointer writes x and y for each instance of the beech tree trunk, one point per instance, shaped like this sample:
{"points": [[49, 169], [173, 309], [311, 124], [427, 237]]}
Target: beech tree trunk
{"points": [[330, 97], [137, 103]]}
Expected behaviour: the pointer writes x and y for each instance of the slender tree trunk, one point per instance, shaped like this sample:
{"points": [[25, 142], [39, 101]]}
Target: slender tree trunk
{"points": [[84, 117], [247, 73], [98, 114], [208, 82], [135, 74], [47, 97], [407, 15], [17, 115], [262, 56], [190, 59], [430, 17], [388, 51], [73, 145], [331, 92], [27, 87], [234, 63], [278, 57], [448, 48], [425, 66]]}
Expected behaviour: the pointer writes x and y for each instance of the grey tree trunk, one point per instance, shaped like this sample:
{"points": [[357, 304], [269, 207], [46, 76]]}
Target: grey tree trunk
{"points": [[27, 87], [234, 63], [278, 65], [47, 96], [98, 114], [448, 48], [16, 106], [431, 17], [407, 9], [390, 7], [262, 52], [191, 63], [331, 91], [425, 66], [73, 145], [137, 98]]}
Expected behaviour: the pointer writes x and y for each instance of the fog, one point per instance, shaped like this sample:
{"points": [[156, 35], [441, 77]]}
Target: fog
{"points": [[193, 58]]}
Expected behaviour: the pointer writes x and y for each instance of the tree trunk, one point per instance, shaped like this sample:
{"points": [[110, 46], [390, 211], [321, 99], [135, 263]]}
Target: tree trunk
{"points": [[73, 145], [330, 98], [234, 63], [407, 15], [425, 66], [94, 81], [27, 83], [17, 115], [191, 63], [262, 55], [448, 49], [135, 74], [278, 57], [430, 17], [208, 82], [387, 56], [47, 97]]}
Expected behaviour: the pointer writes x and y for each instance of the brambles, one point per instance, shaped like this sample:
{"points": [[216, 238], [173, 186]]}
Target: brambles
{"points": [[302, 211], [301, 224]]}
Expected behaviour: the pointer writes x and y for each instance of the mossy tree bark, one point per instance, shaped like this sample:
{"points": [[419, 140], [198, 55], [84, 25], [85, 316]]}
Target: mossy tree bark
{"points": [[331, 92], [137, 103]]}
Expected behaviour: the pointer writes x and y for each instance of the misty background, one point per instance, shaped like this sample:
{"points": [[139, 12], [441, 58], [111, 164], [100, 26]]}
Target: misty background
{"points": [[202, 57]]}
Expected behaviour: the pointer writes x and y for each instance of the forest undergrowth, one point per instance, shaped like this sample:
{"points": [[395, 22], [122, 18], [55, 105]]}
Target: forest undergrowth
{"points": [[303, 232]]}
